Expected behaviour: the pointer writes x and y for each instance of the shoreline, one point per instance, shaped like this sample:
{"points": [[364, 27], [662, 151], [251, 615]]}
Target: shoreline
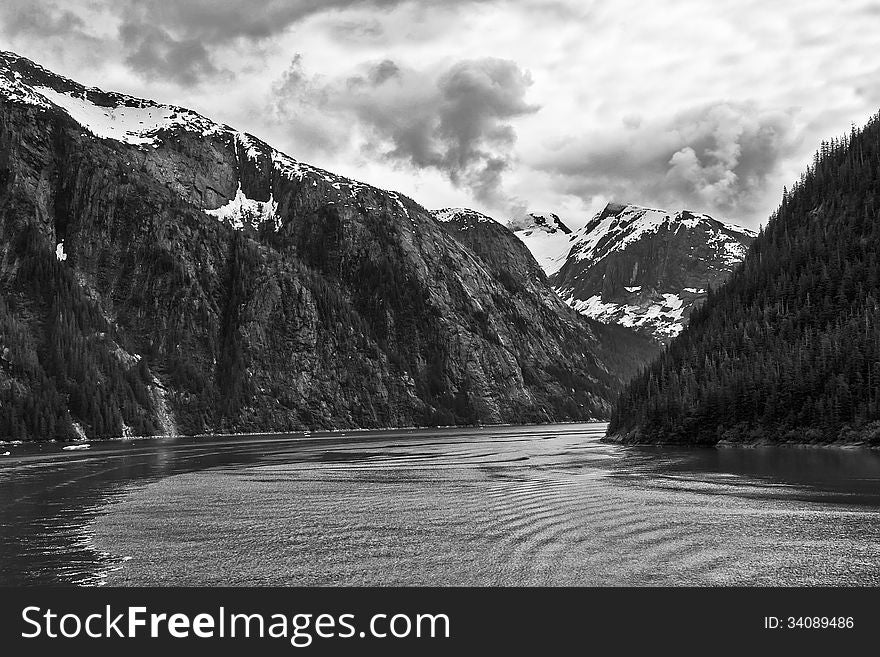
{"points": [[757, 444], [303, 433]]}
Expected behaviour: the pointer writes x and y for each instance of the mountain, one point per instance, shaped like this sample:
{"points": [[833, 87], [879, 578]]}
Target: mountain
{"points": [[546, 236], [788, 350], [639, 267], [163, 273], [507, 258], [510, 261]]}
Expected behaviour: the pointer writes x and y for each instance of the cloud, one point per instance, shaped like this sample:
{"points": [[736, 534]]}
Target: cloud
{"points": [[179, 38], [176, 40], [477, 99], [456, 120], [37, 28], [219, 20], [153, 52], [680, 104], [717, 157], [39, 19]]}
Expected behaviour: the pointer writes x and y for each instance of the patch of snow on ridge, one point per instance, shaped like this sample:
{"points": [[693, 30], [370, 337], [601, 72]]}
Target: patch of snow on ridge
{"points": [[125, 124], [544, 221], [131, 124], [546, 236], [242, 209], [294, 170], [250, 146], [616, 227], [613, 232], [461, 214], [549, 249], [666, 317], [12, 88]]}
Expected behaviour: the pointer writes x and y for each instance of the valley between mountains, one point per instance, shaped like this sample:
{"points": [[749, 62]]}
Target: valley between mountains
{"points": [[161, 273], [164, 274]]}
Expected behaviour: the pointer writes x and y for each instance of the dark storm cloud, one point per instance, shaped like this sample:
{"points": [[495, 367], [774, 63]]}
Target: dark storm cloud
{"points": [[38, 19], [153, 52], [477, 98], [456, 120], [32, 28], [716, 157], [383, 71], [218, 20], [177, 38]]}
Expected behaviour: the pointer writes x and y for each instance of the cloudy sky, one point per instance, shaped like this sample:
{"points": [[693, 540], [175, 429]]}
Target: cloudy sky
{"points": [[499, 105]]}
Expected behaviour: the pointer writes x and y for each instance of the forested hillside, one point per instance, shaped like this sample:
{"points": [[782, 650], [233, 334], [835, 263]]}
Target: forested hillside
{"points": [[789, 348], [164, 273]]}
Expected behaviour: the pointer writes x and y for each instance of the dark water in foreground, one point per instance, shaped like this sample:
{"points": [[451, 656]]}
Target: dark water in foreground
{"points": [[494, 506]]}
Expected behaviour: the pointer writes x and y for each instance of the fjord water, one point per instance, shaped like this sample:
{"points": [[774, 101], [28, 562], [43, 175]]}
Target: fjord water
{"points": [[545, 505]]}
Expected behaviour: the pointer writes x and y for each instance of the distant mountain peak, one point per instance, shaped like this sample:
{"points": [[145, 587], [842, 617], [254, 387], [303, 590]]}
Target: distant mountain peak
{"points": [[618, 225], [641, 267], [546, 236], [547, 222]]}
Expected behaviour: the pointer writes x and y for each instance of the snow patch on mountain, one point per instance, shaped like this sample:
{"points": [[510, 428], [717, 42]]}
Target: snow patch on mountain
{"points": [[546, 236], [242, 210], [130, 121], [131, 125], [548, 222], [146, 124], [13, 88], [465, 216], [662, 316], [586, 268], [732, 251], [618, 226]]}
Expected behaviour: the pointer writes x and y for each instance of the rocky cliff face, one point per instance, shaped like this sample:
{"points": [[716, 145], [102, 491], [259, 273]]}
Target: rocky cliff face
{"points": [[160, 272], [511, 262], [642, 268]]}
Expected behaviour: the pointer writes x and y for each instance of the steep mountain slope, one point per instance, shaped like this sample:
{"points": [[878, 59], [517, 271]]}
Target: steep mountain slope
{"points": [[511, 262], [638, 267], [789, 348], [647, 269], [160, 272], [546, 236]]}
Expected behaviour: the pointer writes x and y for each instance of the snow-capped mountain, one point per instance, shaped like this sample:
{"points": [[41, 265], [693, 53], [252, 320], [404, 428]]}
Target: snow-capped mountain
{"points": [[149, 125], [647, 268], [509, 261], [642, 268], [547, 237], [161, 273]]}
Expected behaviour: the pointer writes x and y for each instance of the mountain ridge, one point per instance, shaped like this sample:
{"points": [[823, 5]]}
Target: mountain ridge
{"points": [[639, 267], [786, 350], [161, 273]]}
